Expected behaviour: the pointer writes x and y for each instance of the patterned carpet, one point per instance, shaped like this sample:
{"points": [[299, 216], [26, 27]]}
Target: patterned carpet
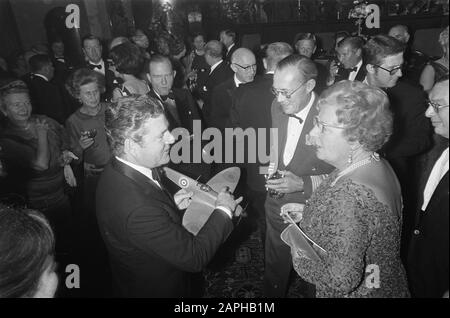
{"points": [[242, 275]]}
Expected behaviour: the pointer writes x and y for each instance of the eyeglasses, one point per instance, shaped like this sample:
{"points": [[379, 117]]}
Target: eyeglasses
{"points": [[287, 95], [436, 106], [246, 68], [321, 125], [391, 72]]}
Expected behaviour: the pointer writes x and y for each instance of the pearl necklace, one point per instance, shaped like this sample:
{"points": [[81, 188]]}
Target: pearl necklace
{"points": [[356, 165]]}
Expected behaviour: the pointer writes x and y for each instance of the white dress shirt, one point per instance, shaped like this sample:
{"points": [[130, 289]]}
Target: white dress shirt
{"points": [[41, 76], [352, 74], [237, 82], [440, 168], [102, 66], [294, 130], [214, 66], [145, 171]]}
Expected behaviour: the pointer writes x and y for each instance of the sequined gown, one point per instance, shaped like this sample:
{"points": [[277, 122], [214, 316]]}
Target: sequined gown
{"points": [[361, 235]]}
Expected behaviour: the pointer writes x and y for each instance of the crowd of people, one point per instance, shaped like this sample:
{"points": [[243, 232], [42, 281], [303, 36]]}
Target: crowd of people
{"points": [[359, 163]]}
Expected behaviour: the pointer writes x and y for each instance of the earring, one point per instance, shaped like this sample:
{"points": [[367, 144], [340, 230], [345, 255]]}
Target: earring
{"points": [[350, 157]]}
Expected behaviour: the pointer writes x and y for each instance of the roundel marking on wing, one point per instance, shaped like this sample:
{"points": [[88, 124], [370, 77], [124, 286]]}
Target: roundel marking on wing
{"points": [[183, 182]]}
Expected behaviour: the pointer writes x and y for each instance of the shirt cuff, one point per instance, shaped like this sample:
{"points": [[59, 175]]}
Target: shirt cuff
{"points": [[226, 210]]}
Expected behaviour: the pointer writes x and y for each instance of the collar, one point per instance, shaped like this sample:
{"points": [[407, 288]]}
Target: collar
{"points": [[237, 82], [358, 66], [215, 66], [229, 48], [366, 81], [41, 76], [145, 171], [101, 63], [304, 112]]}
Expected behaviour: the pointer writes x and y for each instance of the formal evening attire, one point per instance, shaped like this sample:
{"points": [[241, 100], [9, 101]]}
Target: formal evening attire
{"points": [[428, 253], [296, 156], [150, 251], [361, 236]]}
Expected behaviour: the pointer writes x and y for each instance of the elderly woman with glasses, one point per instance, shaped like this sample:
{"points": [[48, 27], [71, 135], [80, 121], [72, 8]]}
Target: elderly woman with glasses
{"points": [[354, 217]]}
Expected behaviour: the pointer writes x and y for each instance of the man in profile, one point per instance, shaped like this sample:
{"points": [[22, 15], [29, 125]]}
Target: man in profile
{"points": [[150, 252]]}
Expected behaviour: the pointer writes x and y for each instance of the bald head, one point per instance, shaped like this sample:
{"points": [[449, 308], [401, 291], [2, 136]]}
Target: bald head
{"points": [[243, 64], [400, 32]]}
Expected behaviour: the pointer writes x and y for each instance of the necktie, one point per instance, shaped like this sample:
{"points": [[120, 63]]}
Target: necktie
{"points": [[92, 66], [299, 119], [354, 69], [157, 174], [165, 97]]}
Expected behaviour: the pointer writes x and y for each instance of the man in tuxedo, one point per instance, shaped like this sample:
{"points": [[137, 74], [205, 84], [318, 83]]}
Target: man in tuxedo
{"points": [[150, 251], [411, 133], [415, 61], [228, 39], [251, 109], [350, 63], [292, 113], [219, 71], [243, 64], [428, 254], [46, 96], [180, 110], [92, 49]]}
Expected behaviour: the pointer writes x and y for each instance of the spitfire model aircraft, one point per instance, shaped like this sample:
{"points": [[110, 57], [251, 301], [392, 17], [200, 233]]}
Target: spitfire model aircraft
{"points": [[204, 195]]}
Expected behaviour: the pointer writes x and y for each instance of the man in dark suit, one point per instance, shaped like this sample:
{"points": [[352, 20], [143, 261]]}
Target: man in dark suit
{"points": [[350, 63], [219, 71], [243, 64], [46, 96], [92, 49], [251, 109], [428, 254], [150, 251], [411, 133], [292, 112], [180, 110], [228, 39]]}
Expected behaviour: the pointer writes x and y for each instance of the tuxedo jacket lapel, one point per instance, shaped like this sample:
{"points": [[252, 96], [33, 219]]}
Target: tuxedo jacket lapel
{"points": [[146, 185]]}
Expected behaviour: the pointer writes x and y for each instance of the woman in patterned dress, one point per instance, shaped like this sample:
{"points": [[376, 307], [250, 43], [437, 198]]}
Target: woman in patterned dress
{"points": [[355, 214]]}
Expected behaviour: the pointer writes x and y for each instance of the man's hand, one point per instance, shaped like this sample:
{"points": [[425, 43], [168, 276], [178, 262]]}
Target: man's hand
{"points": [[41, 128], [289, 183], [69, 176], [226, 199], [182, 199], [85, 142]]}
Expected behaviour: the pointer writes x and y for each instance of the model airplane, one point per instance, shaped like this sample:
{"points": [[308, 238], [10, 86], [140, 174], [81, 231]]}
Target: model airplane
{"points": [[205, 195]]}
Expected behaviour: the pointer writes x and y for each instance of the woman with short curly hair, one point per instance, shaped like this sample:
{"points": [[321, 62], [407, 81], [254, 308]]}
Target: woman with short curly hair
{"points": [[354, 216], [128, 66]]}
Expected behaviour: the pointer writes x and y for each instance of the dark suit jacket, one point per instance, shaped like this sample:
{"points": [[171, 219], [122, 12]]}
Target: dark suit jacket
{"points": [[149, 250], [428, 257], [47, 99], [186, 106], [219, 75], [109, 81], [304, 163], [343, 74], [411, 132], [228, 54], [251, 109], [217, 112]]}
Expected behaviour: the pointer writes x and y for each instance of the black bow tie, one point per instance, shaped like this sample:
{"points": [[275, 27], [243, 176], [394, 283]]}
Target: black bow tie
{"points": [[165, 97], [354, 69], [92, 66], [299, 119]]}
